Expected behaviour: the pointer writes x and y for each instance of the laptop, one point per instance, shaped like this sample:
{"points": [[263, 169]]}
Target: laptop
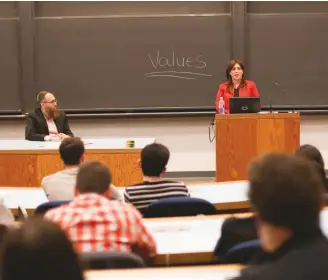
{"points": [[244, 105]]}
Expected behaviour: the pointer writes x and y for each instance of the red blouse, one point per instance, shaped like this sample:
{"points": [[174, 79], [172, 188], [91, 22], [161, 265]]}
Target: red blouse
{"points": [[249, 90]]}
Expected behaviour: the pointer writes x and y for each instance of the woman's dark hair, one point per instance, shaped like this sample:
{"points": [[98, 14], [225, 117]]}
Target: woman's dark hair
{"points": [[231, 64], [38, 250], [311, 153]]}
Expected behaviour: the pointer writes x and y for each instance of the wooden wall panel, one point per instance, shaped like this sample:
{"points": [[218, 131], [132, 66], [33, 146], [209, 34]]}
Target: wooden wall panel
{"points": [[27, 168], [235, 145], [48, 164], [292, 134], [18, 170], [241, 138], [124, 167]]}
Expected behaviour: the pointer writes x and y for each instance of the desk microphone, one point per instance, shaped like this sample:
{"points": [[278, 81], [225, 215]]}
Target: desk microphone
{"points": [[276, 83]]}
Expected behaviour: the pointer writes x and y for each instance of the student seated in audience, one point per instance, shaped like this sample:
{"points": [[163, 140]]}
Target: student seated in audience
{"points": [[61, 185], [96, 224], [154, 158], [38, 250], [313, 154], [286, 194]]}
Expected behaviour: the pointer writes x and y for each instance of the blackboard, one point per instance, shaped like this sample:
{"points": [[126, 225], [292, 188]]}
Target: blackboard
{"points": [[163, 56], [139, 62], [292, 54], [9, 67]]}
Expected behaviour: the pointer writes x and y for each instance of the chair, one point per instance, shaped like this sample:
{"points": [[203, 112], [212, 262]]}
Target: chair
{"points": [[234, 231], [243, 252], [107, 260], [179, 206], [44, 207]]}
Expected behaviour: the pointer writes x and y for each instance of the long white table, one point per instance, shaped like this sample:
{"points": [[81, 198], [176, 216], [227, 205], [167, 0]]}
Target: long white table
{"points": [[28, 198], [90, 144], [193, 239], [25, 163], [179, 240], [182, 239], [231, 195], [213, 272]]}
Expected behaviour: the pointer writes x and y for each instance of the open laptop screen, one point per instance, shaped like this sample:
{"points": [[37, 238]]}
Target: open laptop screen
{"points": [[243, 105]]}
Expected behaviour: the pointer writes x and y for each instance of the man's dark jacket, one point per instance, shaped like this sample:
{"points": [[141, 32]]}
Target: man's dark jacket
{"points": [[36, 128]]}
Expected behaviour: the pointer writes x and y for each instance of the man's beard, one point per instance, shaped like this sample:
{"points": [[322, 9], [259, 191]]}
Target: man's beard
{"points": [[52, 113]]}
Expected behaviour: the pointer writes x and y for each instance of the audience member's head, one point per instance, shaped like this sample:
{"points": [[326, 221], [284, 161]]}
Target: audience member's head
{"points": [[154, 158], [93, 177], [286, 193], [313, 154], [38, 250], [71, 151]]}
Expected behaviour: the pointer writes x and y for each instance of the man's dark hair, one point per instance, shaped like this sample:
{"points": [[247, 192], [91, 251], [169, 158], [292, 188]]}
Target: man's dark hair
{"points": [[93, 177], [71, 150], [154, 158], [286, 191]]}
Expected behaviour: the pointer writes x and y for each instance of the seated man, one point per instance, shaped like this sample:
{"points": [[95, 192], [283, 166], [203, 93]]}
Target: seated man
{"points": [[61, 185], [47, 123], [286, 194], [96, 224], [154, 158]]}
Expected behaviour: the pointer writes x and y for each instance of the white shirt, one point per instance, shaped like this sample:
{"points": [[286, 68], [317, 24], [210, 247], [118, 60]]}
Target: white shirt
{"points": [[61, 185], [52, 129], [52, 126]]}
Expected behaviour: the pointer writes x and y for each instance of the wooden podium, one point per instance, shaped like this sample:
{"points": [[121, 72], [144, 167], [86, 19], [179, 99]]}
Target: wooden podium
{"points": [[242, 137]]}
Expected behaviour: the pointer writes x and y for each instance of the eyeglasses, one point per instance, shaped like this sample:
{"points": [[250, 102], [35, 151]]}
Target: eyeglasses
{"points": [[51, 102]]}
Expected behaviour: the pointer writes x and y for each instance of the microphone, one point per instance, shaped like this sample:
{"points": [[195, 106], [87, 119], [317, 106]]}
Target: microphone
{"points": [[276, 83]]}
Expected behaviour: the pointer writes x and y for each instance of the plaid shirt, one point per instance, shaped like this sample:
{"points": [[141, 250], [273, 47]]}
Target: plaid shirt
{"points": [[95, 223]]}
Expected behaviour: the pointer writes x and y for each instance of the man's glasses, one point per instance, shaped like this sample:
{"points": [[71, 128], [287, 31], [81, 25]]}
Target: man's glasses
{"points": [[51, 102]]}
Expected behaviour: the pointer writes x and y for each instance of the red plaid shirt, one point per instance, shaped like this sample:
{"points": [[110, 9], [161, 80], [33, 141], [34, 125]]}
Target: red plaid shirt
{"points": [[95, 223]]}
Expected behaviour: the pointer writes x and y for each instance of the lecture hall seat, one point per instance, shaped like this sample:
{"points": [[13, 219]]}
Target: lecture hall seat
{"points": [[179, 206], [44, 207], [110, 260]]}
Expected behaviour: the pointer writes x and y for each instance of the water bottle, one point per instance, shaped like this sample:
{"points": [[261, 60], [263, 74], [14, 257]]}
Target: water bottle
{"points": [[221, 106]]}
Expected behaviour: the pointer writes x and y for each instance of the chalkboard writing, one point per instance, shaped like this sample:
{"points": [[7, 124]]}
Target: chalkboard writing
{"points": [[164, 64]]}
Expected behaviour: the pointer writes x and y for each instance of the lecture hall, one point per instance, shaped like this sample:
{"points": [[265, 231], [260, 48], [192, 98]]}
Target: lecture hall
{"points": [[163, 140]]}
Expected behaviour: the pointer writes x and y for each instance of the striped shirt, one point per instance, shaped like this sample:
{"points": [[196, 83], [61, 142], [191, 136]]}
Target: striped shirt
{"points": [[141, 195]]}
